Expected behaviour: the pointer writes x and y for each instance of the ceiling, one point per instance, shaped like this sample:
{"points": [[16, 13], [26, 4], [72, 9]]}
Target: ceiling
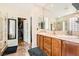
{"points": [[56, 9], [59, 9]]}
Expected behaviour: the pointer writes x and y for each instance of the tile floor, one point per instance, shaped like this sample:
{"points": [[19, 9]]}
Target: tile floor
{"points": [[22, 50]]}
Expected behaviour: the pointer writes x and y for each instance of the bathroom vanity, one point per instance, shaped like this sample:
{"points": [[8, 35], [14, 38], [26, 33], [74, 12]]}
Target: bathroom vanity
{"points": [[58, 45]]}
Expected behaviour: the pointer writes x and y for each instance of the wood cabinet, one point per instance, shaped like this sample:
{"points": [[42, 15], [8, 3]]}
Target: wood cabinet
{"points": [[48, 45], [56, 47], [51, 46], [70, 48]]}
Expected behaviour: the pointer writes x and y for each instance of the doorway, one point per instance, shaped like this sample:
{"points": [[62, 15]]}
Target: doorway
{"points": [[20, 30]]}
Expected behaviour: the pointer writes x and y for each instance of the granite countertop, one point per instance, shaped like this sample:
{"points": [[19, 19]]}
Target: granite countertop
{"points": [[61, 37]]}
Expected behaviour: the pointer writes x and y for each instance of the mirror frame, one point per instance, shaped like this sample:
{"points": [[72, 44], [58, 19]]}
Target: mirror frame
{"points": [[9, 28]]}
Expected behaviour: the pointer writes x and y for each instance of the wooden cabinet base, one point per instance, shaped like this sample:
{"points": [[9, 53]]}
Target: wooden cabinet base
{"points": [[57, 47]]}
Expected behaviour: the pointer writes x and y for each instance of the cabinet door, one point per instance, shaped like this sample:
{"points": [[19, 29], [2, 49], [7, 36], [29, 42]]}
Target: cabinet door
{"points": [[70, 49], [38, 43], [47, 51], [56, 47], [41, 40], [47, 45]]}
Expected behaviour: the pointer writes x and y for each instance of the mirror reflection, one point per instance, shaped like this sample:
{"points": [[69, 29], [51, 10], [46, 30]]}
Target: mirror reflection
{"points": [[11, 28]]}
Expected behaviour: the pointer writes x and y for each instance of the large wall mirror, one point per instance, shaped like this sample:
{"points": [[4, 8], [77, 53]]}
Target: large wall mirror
{"points": [[11, 29]]}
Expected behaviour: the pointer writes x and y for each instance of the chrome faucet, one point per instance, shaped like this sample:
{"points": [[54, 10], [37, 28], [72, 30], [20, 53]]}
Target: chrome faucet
{"points": [[69, 32]]}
